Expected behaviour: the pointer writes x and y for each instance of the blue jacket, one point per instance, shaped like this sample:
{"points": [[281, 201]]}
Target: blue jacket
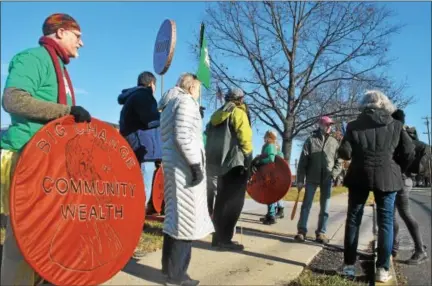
{"points": [[139, 123]]}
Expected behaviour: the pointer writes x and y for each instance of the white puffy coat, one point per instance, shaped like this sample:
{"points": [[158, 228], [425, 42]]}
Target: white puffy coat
{"points": [[186, 212]]}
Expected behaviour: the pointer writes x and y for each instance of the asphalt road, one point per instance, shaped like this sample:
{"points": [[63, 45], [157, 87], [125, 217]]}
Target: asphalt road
{"points": [[420, 204]]}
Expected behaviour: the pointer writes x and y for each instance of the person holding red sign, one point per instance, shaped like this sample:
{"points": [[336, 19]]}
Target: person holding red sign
{"points": [[268, 154], [38, 89], [186, 214]]}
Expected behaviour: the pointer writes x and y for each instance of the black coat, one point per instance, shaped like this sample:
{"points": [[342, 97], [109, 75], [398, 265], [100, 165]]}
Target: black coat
{"points": [[370, 142]]}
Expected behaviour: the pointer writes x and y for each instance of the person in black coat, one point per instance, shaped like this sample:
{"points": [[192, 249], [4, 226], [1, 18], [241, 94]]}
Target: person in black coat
{"points": [[139, 125], [370, 142], [403, 207]]}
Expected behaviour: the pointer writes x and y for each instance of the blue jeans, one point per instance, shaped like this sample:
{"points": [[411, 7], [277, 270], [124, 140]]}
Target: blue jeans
{"points": [[385, 208], [271, 209], [325, 194], [147, 170]]}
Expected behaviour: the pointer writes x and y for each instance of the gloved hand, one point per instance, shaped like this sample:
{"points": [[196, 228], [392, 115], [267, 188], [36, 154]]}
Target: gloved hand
{"points": [[254, 165], [197, 175], [158, 164], [202, 108], [300, 186], [248, 161], [80, 114]]}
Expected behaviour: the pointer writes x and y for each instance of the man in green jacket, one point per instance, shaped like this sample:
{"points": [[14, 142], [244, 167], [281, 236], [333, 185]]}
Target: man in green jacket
{"points": [[320, 165], [38, 89]]}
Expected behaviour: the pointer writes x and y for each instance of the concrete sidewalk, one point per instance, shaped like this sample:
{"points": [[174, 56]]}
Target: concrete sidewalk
{"points": [[271, 256]]}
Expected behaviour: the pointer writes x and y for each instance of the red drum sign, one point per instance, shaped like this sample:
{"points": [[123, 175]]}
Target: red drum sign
{"points": [[77, 202], [271, 182], [158, 190]]}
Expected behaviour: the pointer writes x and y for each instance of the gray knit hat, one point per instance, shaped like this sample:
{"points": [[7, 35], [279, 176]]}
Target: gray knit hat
{"points": [[234, 94]]}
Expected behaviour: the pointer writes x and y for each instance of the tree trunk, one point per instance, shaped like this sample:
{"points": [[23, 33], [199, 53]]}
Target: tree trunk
{"points": [[287, 138]]}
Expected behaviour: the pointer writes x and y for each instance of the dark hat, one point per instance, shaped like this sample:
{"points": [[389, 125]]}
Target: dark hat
{"points": [[58, 21], [234, 94]]}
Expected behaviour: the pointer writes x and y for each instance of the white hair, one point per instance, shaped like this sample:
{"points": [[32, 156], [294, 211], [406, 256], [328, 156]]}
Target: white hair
{"points": [[377, 100], [188, 81]]}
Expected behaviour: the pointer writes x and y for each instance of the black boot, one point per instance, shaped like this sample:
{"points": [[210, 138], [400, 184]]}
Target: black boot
{"points": [[268, 220], [280, 213], [187, 281]]}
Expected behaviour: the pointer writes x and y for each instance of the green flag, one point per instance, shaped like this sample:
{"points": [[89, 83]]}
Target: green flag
{"points": [[203, 73]]}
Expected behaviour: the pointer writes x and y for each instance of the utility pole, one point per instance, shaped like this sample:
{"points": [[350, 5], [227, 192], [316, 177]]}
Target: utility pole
{"points": [[427, 118]]}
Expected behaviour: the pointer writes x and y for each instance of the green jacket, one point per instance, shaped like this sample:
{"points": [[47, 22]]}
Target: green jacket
{"points": [[32, 71], [268, 153], [319, 160], [229, 139]]}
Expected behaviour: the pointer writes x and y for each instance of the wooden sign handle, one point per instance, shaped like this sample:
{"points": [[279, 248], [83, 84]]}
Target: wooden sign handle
{"points": [[293, 212]]}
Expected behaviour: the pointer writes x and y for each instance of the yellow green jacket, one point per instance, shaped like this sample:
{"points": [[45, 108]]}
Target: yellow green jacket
{"points": [[229, 138]]}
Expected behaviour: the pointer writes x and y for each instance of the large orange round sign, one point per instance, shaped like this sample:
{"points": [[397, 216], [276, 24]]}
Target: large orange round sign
{"points": [[271, 182], [158, 190], [77, 202]]}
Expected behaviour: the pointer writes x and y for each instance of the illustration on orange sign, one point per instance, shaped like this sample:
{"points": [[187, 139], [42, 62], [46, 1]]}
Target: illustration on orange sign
{"points": [[158, 190], [83, 186], [271, 182]]}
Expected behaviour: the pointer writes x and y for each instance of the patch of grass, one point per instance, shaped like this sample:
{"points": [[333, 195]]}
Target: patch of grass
{"points": [[292, 194], [371, 199], [152, 237], [2, 235], [310, 278]]}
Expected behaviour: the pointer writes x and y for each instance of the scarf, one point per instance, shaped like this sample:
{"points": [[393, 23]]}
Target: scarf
{"points": [[55, 51]]}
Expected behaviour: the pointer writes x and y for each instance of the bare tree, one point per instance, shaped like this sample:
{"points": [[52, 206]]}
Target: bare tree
{"points": [[297, 61]]}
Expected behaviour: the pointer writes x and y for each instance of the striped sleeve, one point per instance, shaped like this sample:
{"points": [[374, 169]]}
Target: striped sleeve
{"points": [[185, 119]]}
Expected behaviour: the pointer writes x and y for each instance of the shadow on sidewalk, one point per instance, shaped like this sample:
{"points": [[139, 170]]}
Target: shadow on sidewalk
{"points": [[145, 272], [207, 246], [273, 235]]}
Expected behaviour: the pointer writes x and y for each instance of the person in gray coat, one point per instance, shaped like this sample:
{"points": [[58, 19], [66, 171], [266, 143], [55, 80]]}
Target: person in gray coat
{"points": [[185, 193]]}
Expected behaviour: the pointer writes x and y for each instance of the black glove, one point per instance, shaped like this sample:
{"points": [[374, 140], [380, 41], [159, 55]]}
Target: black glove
{"points": [[80, 114], [254, 165], [248, 161], [197, 175], [202, 108], [158, 164]]}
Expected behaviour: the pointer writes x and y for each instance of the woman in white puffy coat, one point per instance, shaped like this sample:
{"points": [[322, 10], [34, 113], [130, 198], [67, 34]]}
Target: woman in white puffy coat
{"points": [[183, 156]]}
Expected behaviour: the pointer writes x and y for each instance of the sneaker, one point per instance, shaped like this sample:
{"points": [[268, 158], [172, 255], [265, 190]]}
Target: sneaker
{"points": [[321, 238], [349, 270], [417, 258], [280, 213], [300, 237], [382, 275]]}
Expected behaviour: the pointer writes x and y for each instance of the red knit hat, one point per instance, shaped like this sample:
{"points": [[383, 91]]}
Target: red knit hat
{"points": [[57, 21]]}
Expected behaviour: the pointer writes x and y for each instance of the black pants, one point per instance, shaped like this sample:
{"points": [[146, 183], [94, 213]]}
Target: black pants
{"points": [[402, 205], [230, 198], [176, 256]]}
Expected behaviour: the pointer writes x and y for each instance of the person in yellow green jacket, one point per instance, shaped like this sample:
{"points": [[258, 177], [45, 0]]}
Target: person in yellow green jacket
{"points": [[268, 155], [229, 157]]}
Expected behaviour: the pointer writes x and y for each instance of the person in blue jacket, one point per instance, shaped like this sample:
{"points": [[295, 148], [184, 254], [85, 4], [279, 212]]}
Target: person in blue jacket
{"points": [[139, 124]]}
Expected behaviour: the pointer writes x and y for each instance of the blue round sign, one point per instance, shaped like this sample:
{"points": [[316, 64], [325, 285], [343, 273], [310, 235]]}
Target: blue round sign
{"points": [[164, 47]]}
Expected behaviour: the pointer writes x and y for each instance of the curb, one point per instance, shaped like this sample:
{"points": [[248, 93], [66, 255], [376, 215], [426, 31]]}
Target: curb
{"points": [[393, 281]]}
